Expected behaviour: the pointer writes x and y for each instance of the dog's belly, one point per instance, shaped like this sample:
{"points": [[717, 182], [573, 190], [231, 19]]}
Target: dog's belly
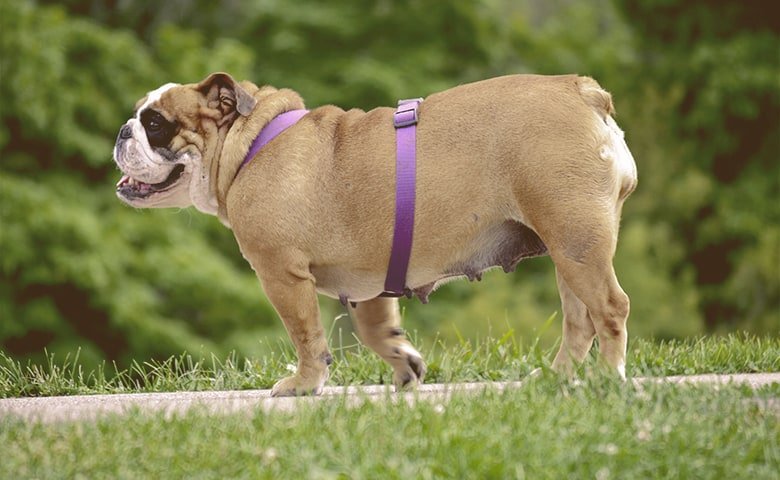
{"points": [[503, 245], [346, 284]]}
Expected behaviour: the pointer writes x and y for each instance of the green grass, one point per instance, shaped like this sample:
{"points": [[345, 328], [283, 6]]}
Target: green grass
{"points": [[597, 428], [490, 359]]}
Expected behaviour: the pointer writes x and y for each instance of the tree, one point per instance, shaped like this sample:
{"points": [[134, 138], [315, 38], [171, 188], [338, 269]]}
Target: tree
{"points": [[78, 268], [695, 85], [715, 65]]}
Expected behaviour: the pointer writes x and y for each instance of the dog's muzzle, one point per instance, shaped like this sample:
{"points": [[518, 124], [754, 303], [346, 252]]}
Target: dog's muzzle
{"points": [[124, 133]]}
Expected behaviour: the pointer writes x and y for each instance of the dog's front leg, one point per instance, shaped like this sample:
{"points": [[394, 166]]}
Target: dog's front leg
{"points": [[289, 285]]}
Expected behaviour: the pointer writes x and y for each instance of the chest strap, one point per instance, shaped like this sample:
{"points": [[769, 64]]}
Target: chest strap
{"points": [[405, 122], [276, 126]]}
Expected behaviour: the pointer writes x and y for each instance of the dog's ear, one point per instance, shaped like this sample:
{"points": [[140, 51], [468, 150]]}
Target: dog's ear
{"points": [[231, 96]]}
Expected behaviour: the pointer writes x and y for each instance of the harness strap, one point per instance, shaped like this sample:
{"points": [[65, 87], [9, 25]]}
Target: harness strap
{"points": [[405, 122], [276, 126]]}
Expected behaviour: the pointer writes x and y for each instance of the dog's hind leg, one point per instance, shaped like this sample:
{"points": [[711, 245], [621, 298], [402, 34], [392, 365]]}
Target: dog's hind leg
{"points": [[591, 278], [578, 330], [378, 324], [577, 216], [581, 236]]}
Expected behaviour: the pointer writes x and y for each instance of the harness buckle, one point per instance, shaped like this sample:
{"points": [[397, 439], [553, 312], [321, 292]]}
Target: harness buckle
{"points": [[406, 114]]}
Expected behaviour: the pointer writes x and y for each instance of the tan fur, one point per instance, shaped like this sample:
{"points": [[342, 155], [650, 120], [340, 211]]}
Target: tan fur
{"points": [[314, 210]]}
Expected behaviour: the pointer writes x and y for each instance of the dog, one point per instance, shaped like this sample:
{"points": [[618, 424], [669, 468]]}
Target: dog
{"points": [[506, 168]]}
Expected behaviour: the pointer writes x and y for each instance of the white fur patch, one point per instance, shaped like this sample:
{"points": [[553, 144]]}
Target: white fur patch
{"points": [[408, 350], [621, 368], [154, 96], [138, 129], [617, 151]]}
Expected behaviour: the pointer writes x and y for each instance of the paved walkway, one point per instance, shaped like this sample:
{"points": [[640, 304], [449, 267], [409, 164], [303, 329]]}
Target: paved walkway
{"points": [[87, 407]]}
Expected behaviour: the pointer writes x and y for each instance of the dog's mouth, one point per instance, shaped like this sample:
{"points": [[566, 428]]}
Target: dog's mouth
{"points": [[129, 187]]}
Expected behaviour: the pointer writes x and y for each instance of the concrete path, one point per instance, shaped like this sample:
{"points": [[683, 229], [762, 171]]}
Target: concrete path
{"points": [[89, 407]]}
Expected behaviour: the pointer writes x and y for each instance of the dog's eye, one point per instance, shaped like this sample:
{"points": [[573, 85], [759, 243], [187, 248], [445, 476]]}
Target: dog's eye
{"points": [[153, 121], [154, 126], [159, 130]]}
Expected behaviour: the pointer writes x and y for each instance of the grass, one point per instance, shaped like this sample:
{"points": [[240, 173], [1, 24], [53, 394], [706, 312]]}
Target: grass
{"points": [[597, 428], [489, 359]]}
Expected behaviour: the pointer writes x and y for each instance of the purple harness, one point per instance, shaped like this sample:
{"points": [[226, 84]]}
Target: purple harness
{"points": [[405, 121], [276, 126]]}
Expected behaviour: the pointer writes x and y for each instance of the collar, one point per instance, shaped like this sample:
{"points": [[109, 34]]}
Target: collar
{"points": [[276, 126]]}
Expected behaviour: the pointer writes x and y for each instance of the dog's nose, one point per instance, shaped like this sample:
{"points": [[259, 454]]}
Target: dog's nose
{"points": [[125, 132]]}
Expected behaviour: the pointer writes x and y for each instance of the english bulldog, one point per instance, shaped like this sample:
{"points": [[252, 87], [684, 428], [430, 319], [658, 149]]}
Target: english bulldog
{"points": [[506, 168]]}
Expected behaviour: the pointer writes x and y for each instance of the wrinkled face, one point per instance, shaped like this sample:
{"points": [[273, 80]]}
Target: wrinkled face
{"points": [[158, 170], [161, 149]]}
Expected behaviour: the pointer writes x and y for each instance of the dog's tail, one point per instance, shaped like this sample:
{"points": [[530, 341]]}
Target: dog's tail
{"points": [[596, 97]]}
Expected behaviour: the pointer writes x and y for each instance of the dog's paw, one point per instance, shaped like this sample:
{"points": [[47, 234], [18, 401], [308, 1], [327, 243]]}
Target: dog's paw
{"points": [[297, 385], [408, 367]]}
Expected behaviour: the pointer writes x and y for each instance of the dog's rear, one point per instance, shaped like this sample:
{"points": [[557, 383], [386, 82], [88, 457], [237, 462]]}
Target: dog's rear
{"points": [[601, 102], [581, 232]]}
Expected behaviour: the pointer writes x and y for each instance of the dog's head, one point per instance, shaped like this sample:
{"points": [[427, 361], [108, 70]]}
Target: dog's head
{"points": [[168, 149]]}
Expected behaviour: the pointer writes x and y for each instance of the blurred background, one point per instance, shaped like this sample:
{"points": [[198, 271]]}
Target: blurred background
{"points": [[696, 85]]}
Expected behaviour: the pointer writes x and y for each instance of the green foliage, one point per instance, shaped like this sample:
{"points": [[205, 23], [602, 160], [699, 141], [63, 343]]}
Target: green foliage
{"points": [[696, 90], [67, 81], [716, 68], [78, 268], [121, 283]]}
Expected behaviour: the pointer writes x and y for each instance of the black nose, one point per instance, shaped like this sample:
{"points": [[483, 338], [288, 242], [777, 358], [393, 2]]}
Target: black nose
{"points": [[125, 132]]}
